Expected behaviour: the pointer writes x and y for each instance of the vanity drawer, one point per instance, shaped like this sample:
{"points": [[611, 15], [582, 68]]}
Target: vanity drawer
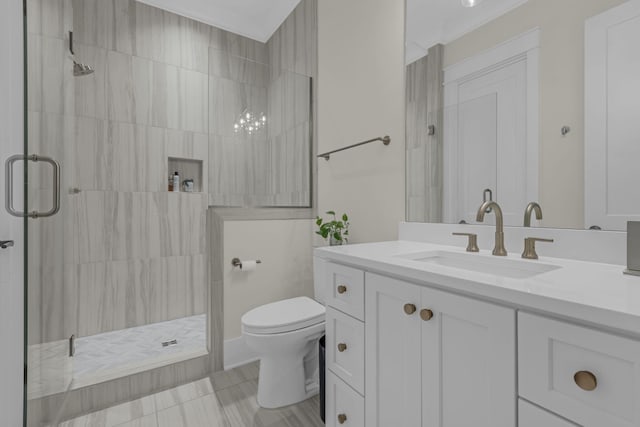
{"points": [[345, 348], [345, 289], [555, 357], [531, 416], [344, 407]]}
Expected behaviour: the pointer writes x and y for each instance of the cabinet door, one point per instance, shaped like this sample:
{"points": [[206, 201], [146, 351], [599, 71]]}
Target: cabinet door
{"points": [[392, 357], [468, 362]]}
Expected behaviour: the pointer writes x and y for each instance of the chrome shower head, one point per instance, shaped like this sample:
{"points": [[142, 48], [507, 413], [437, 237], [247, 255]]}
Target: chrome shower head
{"points": [[78, 69], [81, 69]]}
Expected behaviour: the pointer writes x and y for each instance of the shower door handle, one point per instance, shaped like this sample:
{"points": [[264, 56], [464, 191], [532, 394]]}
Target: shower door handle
{"points": [[9, 185]]}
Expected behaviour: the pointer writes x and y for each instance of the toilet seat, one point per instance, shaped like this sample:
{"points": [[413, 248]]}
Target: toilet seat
{"points": [[283, 316]]}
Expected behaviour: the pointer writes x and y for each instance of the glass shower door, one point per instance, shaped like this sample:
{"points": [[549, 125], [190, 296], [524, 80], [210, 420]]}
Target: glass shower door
{"points": [[44, 169]]}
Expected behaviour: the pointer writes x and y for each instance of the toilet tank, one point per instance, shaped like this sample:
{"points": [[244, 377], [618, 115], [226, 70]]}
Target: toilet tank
{"points": [[319, 278]]}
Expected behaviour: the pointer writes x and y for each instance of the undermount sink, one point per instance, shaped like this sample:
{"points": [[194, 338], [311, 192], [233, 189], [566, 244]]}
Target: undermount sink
{"points": [[496, 266]]}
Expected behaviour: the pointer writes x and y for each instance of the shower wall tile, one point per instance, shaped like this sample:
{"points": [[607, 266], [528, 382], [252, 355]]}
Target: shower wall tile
{"points": [[239, 46], [228, 99], [193, 101], [291, 183], [165, 105], [226, 66], [90, 90], [102, 295], [48, 67], [142, 90], [122, 294], [93, 22], [424, 152], [120, 87], [194, 45], [139, 157], [227, 175], [51, 18], [95, 156], [293, 47], [123, 25], [170, 39]]}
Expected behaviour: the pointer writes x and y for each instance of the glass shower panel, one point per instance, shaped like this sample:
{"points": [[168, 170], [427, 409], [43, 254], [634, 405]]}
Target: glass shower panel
{"points": [[260, 133], [50, 244], [117, 278]]}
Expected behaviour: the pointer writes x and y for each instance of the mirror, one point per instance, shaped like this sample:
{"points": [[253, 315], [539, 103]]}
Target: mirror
{"points": [[524, 101]]}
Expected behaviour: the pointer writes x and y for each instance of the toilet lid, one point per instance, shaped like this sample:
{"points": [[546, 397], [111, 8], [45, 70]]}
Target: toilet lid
{"points": [[283, 316]]}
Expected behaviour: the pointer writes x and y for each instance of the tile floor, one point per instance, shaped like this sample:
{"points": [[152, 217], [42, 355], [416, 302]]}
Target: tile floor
{"points": [[227, 399]]}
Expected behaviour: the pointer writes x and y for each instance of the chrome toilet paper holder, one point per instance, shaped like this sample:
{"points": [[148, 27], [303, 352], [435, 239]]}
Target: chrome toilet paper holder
{"points": [[237, 263]]}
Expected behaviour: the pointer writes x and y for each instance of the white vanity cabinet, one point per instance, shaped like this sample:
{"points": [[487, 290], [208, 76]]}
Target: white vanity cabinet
{"points": [[587, 376], [405, 354], [437, 359], [533, 416]]}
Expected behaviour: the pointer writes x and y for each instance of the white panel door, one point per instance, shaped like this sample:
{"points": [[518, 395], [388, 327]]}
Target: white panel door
{"points": [[612, 108], [491, 131], [468, 362], [490, 116], [392, 357], [11, 258]]}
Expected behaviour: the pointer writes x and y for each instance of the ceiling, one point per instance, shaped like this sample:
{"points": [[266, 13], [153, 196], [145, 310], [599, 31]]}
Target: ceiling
{"points": [[256, 19], [429, 22]]}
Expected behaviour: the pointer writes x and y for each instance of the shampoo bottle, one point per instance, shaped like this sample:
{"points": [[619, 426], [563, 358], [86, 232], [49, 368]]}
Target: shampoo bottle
{"points": [[176, 182]]}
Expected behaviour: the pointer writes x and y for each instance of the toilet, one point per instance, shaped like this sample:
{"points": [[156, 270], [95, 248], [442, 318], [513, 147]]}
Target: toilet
{"points": [[285, 334]]}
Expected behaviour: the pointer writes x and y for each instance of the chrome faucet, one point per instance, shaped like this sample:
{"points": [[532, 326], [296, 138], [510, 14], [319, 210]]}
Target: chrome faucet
{"points": [[498, 249], [532, 207]]}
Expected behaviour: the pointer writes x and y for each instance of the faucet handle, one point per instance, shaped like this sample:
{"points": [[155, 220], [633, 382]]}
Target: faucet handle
{"points": [[472, 245], [530, 247]]}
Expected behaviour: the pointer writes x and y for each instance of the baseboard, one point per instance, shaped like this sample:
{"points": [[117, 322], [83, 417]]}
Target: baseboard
{"points": [[236, 353]]}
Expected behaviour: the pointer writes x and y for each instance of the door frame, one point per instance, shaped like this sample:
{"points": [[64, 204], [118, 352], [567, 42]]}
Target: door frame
{"points": [[525, 47]]}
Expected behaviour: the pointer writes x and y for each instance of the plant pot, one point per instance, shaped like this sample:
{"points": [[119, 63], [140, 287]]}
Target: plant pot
{"points": [[334, 242]]}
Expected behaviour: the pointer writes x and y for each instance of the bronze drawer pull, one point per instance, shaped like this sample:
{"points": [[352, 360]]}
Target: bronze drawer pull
{"points": [[426, 314], [342, 418], [410, 309], [342, 347], [342, 289], [586, 380]]}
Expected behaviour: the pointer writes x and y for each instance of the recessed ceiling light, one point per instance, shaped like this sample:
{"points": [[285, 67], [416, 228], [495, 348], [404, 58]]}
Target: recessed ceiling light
{"points": [[470, 3]]}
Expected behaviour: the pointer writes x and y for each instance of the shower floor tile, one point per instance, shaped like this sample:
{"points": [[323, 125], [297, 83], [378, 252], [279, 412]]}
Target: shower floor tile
{"points": [[113, 354]]}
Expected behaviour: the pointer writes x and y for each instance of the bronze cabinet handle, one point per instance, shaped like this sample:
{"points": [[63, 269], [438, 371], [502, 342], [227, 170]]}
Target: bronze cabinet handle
{"points": [[410, 309], [426, 314], [342, 347], [342, 418], [342, 289], [586, 380]]}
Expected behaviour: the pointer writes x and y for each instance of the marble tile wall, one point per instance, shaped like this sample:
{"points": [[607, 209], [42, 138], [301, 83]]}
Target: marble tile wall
{"points": [[271, 167], [424, 151]]}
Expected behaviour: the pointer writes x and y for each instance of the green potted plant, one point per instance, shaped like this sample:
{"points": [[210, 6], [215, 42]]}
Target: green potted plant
{"points": [[336, 230]]}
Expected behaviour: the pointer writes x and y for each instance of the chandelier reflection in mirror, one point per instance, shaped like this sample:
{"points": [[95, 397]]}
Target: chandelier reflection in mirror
{"points": [[250, 122]]}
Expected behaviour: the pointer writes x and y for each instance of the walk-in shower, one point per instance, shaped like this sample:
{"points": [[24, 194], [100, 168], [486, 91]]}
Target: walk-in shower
{"points": [[123, 95]]}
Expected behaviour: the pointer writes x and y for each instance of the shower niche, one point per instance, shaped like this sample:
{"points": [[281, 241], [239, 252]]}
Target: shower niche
{"points": [[188, 170]]}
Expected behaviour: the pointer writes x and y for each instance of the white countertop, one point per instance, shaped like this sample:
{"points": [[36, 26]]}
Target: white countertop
{"points": [[589, 292]]}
